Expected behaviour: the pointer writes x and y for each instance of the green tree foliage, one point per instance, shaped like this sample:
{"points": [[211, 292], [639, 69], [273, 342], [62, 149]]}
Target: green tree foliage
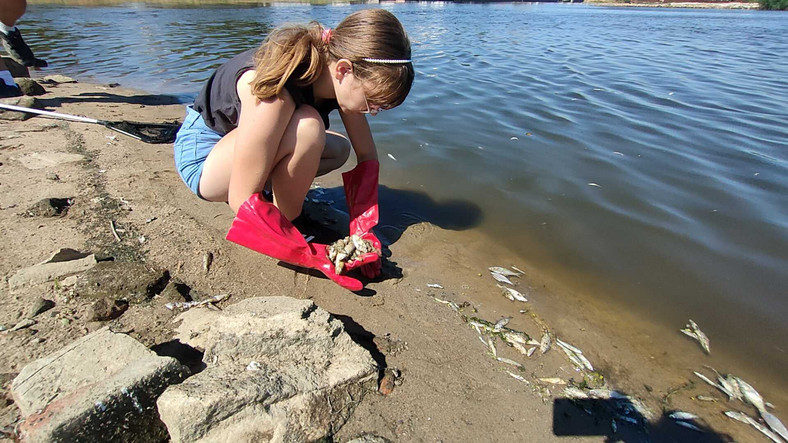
{"points": [[779, 5]]}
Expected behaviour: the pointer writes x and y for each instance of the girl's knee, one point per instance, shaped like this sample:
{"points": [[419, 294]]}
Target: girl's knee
{"points": [[309, 124]]}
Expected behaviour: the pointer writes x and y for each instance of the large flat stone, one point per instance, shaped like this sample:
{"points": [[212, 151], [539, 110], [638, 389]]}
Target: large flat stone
{"points": [[278, 369], [102, 387], [49, 271]]}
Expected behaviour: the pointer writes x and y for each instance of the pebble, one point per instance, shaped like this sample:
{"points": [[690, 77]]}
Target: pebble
{"points": [[39, 306]]}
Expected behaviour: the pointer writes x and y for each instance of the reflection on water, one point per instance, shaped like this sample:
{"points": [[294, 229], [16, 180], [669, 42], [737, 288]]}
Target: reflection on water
{"points": [[644, 150]]}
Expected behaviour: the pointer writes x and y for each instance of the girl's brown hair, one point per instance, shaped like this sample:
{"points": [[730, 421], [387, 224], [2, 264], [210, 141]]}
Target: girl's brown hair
{"points": [[296, 55]]}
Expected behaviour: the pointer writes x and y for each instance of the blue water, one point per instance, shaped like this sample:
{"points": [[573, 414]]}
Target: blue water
{"points": [[639, 154]]}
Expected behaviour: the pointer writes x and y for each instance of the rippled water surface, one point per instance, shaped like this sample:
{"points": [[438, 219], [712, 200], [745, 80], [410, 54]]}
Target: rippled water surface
{"points": [[639, 155]]}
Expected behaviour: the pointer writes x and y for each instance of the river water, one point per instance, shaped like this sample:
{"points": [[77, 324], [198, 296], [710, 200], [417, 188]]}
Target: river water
{"points": [[639, 155]]}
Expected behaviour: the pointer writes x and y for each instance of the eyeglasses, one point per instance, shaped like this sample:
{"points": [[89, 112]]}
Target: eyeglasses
{"points": [[371, 111]]}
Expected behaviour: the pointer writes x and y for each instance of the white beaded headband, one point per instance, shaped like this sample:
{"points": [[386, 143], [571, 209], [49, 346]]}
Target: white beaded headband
{"points": [[387, 61]]}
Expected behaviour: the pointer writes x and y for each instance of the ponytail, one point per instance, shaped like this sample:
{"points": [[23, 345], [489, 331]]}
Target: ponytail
{"points": [[291, 54]]}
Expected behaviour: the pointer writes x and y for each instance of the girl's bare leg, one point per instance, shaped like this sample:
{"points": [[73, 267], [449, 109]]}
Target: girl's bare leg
{"points": [[297, 160], [293, 168], [335, 154]]}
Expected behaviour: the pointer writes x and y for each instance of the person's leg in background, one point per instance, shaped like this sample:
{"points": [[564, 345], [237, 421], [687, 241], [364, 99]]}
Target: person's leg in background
{"points": [[10, 12]]}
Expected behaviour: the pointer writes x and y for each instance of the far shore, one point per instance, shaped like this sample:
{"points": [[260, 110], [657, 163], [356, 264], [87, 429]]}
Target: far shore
{"points": [[203, 3]]}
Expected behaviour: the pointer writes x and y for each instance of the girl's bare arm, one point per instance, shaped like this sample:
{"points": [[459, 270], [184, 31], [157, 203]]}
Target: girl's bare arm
{"points": [[360, 136]]}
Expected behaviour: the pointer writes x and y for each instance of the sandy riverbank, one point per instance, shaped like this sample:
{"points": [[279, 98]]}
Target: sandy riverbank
{"points": [[452, 389]]}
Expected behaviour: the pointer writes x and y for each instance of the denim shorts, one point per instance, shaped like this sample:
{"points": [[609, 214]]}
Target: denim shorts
{"points": [[192, 145]]}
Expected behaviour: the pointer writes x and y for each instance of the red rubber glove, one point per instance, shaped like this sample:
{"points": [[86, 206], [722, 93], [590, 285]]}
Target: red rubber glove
{"points": [[261, 227], [361, 193]]}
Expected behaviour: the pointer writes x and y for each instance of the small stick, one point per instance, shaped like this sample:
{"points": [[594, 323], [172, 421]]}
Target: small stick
{"points": [[114, 232]]}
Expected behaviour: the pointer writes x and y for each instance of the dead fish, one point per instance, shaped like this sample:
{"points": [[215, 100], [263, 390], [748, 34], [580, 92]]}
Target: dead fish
{"points": [[575, 392], [775, 423], [681, 415], [744, 418], [689, 425], [553, 380], [692, 330], [707, 380], [750, 394], [705, 398], [501, 323], [492, 347], [520, 348], [434, 285], [574, 354], [513, 294], [544, 345], [503, 271], [501, 278], [518, 377], [509, 362], [530, 351]]}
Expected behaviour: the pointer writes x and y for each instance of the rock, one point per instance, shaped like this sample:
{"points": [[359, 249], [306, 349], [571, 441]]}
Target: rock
{"points": [[17, 69], [49, 271], [134, 282], [387, 384], [26, 323], [39, 306], [49, 207], [102, 387], [106, 308], [308, 377], [30, 86], [24, 101], [57, 78]]}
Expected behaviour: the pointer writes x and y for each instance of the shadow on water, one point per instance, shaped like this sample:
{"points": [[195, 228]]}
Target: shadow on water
{"points": [[325, 219], [618, 419]]}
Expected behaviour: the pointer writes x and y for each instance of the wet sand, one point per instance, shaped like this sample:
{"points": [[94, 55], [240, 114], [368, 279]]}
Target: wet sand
{"points": [[452, 389]]}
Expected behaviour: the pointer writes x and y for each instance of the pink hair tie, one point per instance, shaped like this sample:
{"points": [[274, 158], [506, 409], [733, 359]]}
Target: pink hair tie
{"points": [[327, 34]]}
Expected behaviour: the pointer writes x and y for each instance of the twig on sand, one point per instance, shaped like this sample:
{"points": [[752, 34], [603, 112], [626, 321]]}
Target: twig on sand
{"points": [[112, 228]]}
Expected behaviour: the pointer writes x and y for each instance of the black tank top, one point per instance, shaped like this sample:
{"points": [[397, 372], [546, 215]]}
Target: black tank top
{"points": [[218, 102]]}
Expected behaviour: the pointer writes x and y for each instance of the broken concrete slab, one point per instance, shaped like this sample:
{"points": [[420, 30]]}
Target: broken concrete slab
{"points": [[49, 271], [102, 387], [130, 281], [278, 369]]}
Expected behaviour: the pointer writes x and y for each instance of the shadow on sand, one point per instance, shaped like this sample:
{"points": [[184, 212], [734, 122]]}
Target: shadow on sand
{"points": [[617, 419], [325, 218]]}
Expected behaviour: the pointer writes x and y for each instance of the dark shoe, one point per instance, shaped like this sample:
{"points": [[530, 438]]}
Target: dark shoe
{"points": [[9, 91], [19, 51]]}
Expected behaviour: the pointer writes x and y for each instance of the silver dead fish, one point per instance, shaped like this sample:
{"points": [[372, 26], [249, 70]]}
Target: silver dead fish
{"points": [[513, 294], [544, 345], [692, 330], [501, 278], [744, 418], [501, 323], [503, 271]]}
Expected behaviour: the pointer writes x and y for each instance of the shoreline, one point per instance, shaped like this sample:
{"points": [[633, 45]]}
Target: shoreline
{"points": [[606, 3], [679, 5], [449, 381]]}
